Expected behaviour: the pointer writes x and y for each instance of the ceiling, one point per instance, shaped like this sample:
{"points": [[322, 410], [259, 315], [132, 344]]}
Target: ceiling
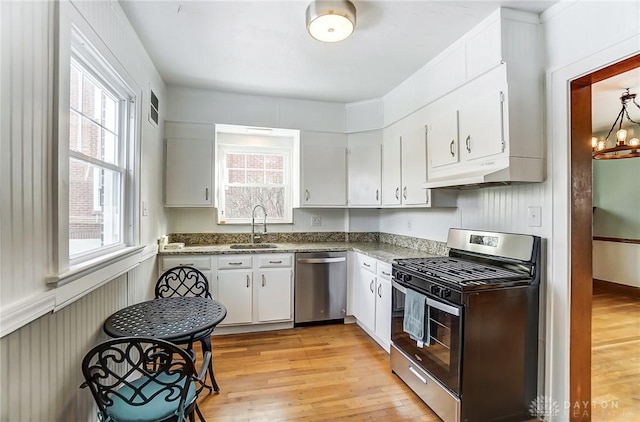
{"points": [[262, 47], [605, 99]]}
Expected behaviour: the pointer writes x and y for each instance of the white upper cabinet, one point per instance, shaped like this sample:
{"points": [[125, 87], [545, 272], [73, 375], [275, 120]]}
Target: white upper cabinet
{"points": [[414, 161], [365, 168], [189, 172], [323, 169], [364, 175], [404, 166], [391, 162], [481, 122], [497, 113], [442, 139]]}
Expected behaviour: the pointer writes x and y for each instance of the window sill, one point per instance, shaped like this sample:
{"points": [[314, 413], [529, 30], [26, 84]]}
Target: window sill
{"points": [[86, 277], [84, 268]]}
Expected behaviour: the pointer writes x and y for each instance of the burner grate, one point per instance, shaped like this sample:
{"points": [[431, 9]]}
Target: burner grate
{"points": [[459, 271]]}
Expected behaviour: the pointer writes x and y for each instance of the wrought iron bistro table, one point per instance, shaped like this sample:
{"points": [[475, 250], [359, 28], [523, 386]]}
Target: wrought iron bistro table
{"points": [[169, 318]]}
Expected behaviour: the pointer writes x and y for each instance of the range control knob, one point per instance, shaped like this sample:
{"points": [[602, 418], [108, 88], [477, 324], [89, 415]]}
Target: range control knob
{"points": [[445, 293], [436, 290]]}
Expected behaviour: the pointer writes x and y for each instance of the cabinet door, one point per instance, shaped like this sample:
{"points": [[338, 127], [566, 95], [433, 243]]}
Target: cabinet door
{"points": [[274, 294], [383, 309], [365, 299], [235, 293], [364, 175], [189, 173], [442, 139], [324, 175], [414, 161], [481, 125], [391, 166]]}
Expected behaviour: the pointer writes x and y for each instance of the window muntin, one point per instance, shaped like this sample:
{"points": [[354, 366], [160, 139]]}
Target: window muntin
{"points": [[252, 178], [97, 163]]}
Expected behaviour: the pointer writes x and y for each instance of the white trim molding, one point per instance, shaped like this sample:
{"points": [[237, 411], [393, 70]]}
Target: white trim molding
{"points": [[21, 313]]}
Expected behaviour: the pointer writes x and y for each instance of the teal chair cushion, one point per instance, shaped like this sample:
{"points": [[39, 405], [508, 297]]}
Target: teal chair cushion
{"points": [[156, 409]]}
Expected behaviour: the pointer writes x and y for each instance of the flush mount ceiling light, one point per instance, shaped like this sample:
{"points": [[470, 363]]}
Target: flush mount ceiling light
{"points": [[622, 148], [331, 21]]}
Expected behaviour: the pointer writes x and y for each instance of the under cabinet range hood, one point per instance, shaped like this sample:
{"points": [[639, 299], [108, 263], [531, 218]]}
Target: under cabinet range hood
{"points": [[510, 170]]}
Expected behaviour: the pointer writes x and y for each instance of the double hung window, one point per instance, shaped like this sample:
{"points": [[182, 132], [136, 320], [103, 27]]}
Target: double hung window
{"points": [[99, 156], [255, 170]]}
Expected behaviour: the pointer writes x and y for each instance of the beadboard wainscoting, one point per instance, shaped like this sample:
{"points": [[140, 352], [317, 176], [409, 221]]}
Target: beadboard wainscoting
{"points": [[40, 362]]}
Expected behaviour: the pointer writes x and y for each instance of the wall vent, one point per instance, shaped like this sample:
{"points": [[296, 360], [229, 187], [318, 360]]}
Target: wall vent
{"points": [[153, 109]]}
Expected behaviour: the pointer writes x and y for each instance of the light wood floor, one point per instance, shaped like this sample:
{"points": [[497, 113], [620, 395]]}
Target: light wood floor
{"points": [[322, 373], [615, 354]]}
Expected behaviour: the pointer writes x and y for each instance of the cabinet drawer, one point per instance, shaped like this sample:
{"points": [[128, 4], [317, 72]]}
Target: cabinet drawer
{"points": [[384, 270], [367, 263], [199, 262], [275, 261], [234, 262]]}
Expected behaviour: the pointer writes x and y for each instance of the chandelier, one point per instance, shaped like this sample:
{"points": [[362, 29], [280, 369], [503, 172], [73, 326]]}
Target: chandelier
{"points": [[622, 148]]}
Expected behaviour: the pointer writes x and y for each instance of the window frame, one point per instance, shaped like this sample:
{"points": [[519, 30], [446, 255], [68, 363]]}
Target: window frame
{"points": [[259, 140], [75, 38]]}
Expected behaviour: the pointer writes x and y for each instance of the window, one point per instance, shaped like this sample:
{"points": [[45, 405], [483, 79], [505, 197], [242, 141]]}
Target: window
{"points": [[99, 154], [255, 170]]}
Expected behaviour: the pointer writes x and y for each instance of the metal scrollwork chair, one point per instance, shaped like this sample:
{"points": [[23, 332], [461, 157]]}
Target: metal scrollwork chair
{"points": [[188, 281], [142, 379]]}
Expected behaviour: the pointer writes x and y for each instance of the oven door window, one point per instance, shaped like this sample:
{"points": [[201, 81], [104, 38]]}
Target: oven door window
{"points": [[440, 354]]}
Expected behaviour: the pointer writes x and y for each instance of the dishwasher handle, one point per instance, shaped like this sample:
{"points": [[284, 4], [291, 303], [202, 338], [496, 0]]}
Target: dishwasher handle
{"points": [[321, 260]]}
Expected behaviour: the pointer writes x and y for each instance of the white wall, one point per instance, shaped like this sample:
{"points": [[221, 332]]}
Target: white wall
{"points": [[40, 362]]}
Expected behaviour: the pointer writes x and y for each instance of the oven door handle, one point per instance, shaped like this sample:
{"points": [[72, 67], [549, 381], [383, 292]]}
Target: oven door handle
{"points": [[399, 287], [443, 307]]}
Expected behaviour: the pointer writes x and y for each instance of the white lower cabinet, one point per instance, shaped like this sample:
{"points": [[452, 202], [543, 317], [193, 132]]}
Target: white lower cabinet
{"points": [[274, 294], [256, 288], [373, 298]]}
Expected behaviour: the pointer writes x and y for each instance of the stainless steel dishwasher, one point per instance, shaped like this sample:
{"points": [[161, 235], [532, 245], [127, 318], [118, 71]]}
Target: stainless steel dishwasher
{"points": [[320, 287]]}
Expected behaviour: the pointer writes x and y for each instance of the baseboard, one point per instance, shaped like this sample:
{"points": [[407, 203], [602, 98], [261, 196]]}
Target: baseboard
{"points": [[621, 289]]}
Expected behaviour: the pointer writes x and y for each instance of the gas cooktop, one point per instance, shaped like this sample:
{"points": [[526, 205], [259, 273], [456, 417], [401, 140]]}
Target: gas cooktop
{"points": [[459, 271]]}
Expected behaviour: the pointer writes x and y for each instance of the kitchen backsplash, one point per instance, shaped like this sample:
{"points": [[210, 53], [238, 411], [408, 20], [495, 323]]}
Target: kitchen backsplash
{"points": [[430, 246]]}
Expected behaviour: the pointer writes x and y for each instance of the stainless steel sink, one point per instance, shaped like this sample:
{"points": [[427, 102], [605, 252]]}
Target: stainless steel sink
{"points": [[253, 246]]}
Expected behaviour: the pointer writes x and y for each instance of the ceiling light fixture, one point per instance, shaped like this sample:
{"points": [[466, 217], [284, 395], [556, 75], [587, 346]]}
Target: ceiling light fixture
{"points": [[622, 148], [331, 21]]}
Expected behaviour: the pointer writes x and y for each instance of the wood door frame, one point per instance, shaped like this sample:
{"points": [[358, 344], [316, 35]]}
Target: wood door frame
{"points": [[581, 218]]}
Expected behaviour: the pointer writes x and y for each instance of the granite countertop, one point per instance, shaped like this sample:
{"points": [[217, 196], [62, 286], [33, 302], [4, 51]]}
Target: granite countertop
{"points": [[382, 251]]}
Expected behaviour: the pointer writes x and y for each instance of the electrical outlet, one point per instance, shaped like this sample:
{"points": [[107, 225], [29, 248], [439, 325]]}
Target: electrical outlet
{"points": [[316, 221], [534, 216], [145, 209], [409, 225]]}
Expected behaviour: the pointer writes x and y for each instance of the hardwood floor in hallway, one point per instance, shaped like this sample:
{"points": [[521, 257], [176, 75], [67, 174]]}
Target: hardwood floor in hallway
{"points": [[615, 366], [320, 373]]}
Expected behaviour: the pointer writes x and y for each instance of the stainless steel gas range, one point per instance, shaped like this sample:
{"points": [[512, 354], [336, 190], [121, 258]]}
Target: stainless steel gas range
{"points": [[478, 355]]}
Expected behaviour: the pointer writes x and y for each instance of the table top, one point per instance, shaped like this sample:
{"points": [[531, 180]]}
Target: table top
{"points": [[166, 318]]}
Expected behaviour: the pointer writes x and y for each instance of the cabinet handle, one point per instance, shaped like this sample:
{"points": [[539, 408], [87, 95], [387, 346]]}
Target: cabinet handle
{"points": [[366, 265], [453, 154], [275, 262], [206, 194], [386, 273], [186, 264], [264, 280], [467, 142], [379, 287], [398, 192], [404, 192], [307, 195], [235, 263], [248, 280], [371, 286], [377, 194]]}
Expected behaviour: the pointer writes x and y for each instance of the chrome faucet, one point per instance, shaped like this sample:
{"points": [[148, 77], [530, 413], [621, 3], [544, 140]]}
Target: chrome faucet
{"points": [[255, 237]]}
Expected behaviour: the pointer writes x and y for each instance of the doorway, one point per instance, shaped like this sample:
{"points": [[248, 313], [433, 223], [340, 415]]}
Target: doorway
{"points": [[581, 217]]}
